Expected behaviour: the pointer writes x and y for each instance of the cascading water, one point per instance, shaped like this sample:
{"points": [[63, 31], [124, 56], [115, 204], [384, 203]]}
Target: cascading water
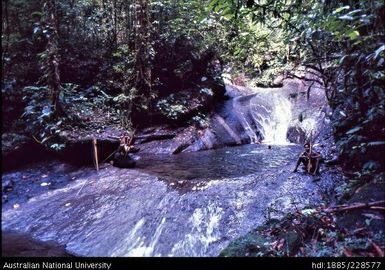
{"points": [[271, 112], [241, 108], [189, 205], [265, 116]]}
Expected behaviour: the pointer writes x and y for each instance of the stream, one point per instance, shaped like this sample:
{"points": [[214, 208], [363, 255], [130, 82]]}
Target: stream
{"points": [[185, 205], [191, 204]]}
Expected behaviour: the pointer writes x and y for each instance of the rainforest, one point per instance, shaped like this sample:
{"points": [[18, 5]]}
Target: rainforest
{"points": [[201, 128]]}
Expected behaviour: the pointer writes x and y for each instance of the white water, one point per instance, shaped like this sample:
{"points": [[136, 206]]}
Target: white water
{"points": [[204, 230], [272, 113], [268, 112]]}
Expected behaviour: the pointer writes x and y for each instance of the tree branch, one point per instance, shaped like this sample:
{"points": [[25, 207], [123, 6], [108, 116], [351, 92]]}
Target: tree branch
{"points": [[341, 208]]}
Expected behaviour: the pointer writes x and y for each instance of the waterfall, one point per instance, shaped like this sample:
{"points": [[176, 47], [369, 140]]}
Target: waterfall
{"points": [[241, 108], [265, 115], [271, 112]]}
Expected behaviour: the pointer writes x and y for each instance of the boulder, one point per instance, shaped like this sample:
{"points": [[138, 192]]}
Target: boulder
{"points": [[296, 135], [122, 161], [7, 185]]}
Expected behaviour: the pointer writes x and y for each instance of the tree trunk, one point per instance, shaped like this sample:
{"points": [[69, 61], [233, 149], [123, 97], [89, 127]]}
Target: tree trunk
{"points": [[6, 30], [53, 55], [142, 67]]}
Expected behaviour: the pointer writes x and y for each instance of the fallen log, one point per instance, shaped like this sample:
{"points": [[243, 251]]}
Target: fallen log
{"points": [[155, 137], [341, 208], [150, 137]]}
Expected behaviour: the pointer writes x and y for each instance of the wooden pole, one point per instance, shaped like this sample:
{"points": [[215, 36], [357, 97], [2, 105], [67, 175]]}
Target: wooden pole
{"points": [[95, 147]]}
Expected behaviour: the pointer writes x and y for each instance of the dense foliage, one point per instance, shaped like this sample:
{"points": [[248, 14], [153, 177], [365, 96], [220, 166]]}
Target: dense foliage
{"points": [[125, 48], [339, 44], [94, 63]]}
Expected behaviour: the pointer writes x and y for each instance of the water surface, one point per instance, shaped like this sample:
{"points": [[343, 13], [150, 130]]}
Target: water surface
{"points": [[191, 204]]}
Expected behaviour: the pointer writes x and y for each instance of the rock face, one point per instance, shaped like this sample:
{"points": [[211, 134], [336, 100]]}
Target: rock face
{"points": [[21, 245], [310, 112], [122, 161]]}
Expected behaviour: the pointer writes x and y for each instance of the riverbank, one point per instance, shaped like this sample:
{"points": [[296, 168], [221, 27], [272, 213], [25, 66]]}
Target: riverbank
{"points": [[348, 222]]}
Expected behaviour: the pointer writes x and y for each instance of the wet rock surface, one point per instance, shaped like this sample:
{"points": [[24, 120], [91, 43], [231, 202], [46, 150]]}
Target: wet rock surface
{"points": [[240, 119], [310, 110], [36, 179], [191, 204]]}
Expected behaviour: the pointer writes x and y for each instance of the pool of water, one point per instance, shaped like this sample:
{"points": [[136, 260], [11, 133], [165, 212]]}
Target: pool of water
{"points": [[221, 163]]}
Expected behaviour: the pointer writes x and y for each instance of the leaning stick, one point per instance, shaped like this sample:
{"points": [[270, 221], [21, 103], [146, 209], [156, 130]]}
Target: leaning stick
{"points": [[109, 156], [94, 143], [95, 152]]}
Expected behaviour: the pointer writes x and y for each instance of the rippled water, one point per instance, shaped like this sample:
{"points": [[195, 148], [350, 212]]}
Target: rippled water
{"points": [[219, 163], [191, 204]]}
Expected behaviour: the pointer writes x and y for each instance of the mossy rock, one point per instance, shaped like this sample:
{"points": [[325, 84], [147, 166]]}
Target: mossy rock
{"points": [[250, 245], [293, 241]]}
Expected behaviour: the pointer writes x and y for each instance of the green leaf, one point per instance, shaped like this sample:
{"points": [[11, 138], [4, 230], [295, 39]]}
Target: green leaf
{"points": [[212, 4], [354, 12], [228, 17], [338, 10], [353, 34]]}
